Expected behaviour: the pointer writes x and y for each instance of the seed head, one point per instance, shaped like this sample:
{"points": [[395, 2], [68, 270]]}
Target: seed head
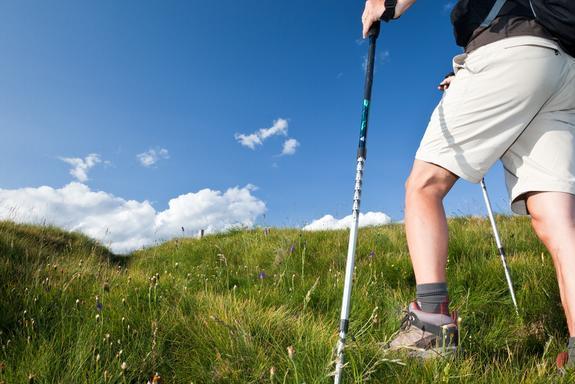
{"points": [[291, 352], [124, 366]]}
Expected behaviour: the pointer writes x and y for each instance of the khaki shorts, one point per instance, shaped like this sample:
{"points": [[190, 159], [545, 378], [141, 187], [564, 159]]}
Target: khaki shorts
{"points": [[512, 100]]}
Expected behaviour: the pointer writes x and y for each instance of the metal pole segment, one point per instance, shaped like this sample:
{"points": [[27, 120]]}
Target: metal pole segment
{"points": [[499, 245], [361, 156]]}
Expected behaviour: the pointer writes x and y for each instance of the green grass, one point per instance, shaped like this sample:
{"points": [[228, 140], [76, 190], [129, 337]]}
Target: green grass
{"points": [[225, 309]]}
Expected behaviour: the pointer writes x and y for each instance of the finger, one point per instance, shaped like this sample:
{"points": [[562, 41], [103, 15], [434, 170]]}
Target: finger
{"points": [[363, 26], [366, 26]]}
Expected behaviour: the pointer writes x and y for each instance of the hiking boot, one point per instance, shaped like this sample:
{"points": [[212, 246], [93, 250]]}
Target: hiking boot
{"points": [[426, 335]]}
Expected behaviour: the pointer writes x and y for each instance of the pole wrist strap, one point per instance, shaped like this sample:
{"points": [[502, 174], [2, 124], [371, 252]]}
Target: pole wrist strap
{"points": [[389, 12]]}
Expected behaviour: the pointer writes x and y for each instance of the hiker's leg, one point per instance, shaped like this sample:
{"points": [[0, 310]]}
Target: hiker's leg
{"points": [[553, 218], [494, 97], [425, 222]]}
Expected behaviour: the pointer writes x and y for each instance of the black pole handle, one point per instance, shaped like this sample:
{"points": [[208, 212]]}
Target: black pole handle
{"points": [[374, 30], [372, 34]]}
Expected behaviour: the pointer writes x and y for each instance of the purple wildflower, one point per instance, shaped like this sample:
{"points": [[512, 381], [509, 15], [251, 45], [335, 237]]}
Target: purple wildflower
{"points": [[292, 249], [262, 275], [98, 304], [371, 254]]}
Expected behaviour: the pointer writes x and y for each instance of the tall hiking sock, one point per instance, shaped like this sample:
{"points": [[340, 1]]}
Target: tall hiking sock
{"points": [[433, 297], [571, 349]]}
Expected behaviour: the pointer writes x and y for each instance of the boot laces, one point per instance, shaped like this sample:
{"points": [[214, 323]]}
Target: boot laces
{"points": [[407, 320]]}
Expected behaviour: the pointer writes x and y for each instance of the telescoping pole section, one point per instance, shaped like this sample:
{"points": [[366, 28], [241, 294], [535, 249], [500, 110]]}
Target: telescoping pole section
{"points": [[361, 156], [499, 245]]}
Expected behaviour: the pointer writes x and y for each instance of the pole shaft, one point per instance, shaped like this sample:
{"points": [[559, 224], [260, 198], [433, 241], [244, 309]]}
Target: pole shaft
{"points": [[361, 156], [350, 264], [499, 244]]}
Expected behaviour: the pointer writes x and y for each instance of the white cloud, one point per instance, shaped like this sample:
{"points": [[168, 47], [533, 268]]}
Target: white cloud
{"points": [[328, 222], [80, 167], [279, 127], [152, 156], [125, 225], [290, 146], [385, 56], [249, 141]]}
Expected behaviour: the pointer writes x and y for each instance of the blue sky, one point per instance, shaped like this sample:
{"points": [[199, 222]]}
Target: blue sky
{"points": [[184, 78]]}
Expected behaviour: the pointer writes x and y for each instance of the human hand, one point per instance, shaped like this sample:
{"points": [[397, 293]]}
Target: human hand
{"points": [[445, 83], [374, 10], [371, 13]]}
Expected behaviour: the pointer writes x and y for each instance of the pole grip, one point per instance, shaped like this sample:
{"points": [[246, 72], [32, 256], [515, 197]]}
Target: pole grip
{"points": [[373, 34], [374, 30]]}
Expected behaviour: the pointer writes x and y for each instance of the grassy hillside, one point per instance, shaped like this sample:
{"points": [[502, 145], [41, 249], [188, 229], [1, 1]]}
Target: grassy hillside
{"points": [[226, 308]]}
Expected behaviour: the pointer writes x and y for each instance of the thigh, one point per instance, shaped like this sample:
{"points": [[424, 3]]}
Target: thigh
{"points": [[428, 175], [552, 207]]}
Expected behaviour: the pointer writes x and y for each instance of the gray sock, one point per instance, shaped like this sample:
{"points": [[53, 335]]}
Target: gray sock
{"points": [[433, 297], [571, 349]]}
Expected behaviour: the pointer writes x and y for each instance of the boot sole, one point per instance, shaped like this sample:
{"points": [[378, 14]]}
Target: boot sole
{"points": [[424, 354]]}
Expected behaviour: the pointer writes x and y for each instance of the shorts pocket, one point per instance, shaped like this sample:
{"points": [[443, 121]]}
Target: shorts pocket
{"points": [[459, 62], [478, 60], [551, 47]]}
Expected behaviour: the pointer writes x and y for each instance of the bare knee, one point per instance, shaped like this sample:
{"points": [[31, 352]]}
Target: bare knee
{"points": [[429, 180], [552, 218], [542, 228]]}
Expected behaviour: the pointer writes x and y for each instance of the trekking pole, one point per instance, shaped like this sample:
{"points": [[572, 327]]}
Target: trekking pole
{"points": [[361, 156], [499, 245]]}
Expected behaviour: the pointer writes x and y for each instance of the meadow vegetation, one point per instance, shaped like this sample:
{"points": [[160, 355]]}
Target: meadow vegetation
{"points": [[262, 306]]}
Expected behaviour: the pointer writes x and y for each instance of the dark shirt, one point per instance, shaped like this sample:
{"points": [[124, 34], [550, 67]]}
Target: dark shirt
{"points": [[506, 26], [515, 19]]}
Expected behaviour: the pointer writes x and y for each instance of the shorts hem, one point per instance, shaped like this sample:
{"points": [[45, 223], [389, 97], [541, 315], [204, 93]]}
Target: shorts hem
{"points": [[451, 165], [519, 204]]}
